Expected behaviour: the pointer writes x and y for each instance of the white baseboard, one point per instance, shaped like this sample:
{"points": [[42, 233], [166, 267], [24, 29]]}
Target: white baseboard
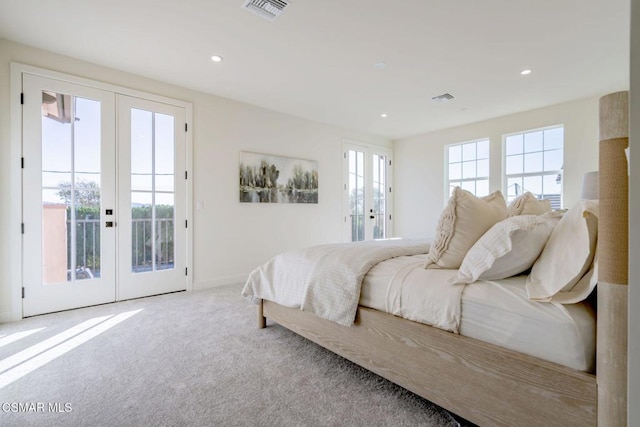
{"points": [[221, 281]]}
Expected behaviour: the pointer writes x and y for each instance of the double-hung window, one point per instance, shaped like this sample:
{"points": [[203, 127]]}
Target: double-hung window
{"points": [[468, 167], [533, 161]]}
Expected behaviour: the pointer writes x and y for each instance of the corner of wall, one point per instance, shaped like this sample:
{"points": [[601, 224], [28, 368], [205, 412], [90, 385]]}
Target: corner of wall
{"points": [[8, 316]]}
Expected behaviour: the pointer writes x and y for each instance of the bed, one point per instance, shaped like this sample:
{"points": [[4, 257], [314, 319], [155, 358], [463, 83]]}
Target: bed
{"points": [[484, 377]]}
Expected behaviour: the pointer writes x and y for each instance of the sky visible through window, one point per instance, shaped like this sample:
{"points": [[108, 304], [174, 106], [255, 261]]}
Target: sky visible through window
{"points": [[533, 162], [60, 156], [468, 167]]}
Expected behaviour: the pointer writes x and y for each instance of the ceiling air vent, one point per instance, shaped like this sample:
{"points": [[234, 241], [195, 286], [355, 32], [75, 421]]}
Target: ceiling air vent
{"points": [[442, 98], [269, 9]]}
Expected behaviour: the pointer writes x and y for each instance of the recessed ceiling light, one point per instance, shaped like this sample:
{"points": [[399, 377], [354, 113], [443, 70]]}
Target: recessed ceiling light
{"points": [[525, 72], [380, 65], [384, 115], [216, 58]]}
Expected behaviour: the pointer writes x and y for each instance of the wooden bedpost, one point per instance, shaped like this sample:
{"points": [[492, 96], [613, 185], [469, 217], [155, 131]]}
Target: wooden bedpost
{"points": [[262, 321], [613, 255]]}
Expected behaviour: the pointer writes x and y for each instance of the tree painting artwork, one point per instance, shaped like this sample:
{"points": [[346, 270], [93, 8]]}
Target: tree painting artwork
{"points": [[273, 179]]}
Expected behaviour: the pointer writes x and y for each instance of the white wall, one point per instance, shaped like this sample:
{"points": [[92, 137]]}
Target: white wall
{"points": [[634, 226], [419, 160], [230, 238]]}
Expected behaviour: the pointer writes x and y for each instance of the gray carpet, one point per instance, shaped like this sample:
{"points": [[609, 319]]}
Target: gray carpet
{"points": [[197, 359]]}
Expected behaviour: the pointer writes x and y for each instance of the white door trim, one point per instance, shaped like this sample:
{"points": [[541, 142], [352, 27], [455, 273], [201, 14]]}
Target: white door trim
{"points": [[15, 211]]}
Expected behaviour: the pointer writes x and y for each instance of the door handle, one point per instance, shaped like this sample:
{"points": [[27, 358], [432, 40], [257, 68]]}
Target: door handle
{"points": [[109, 224], [372, 217]]}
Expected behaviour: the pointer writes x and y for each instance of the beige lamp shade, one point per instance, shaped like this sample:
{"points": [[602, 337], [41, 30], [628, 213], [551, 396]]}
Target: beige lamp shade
{"points": [[590, 186]]}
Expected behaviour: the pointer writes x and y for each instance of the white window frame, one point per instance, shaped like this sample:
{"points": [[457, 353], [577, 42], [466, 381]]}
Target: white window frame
{"points": [[556, 172], [447, 181]]}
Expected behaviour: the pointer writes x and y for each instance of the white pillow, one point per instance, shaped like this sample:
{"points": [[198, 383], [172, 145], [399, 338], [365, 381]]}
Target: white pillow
{"points": [[528, 204], [567, 257], [583, 288], [508, 248], [462, 222]]}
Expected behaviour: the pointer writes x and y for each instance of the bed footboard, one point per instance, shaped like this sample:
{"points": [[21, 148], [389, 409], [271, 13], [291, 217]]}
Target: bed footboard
{"points": [[485, 384]]}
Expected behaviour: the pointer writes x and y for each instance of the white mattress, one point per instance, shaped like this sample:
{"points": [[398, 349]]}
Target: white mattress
{"points": [[497, 312]]}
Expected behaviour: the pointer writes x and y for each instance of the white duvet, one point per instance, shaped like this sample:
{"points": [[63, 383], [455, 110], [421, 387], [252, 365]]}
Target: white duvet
{"points": [[326, 280], [497, 312], [379, 276], [403, 287]]}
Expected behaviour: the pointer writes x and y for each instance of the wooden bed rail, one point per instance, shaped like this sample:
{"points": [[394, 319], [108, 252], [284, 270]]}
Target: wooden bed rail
{"points": [[483, 383]]}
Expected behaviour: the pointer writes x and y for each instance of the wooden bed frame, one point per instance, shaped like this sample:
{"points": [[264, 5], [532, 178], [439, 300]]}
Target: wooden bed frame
{"points": [[487, 384], [480, 382]]}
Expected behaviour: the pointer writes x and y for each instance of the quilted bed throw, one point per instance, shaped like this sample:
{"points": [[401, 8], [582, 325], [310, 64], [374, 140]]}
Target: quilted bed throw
{"points": [[325, 279]]}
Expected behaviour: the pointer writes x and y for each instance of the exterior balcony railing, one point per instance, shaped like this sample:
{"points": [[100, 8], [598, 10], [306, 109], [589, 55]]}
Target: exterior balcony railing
{"points": [[142, 251]]}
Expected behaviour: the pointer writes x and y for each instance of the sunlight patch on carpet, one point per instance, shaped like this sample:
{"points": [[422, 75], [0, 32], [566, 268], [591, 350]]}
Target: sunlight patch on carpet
{"points": [[20, 364], [8, 339]]}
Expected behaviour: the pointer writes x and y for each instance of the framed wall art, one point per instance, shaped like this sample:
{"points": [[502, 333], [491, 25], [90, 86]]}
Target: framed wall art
{"points": [[265, 178]]}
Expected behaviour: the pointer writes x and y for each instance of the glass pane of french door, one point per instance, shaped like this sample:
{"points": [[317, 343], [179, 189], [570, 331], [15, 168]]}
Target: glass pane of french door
{"points": [[379, 195], [68, 180], [71, 179], [152, 190], [356, 194], [152, 197]]}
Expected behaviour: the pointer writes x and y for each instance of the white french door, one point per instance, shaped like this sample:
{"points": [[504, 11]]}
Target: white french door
{"points": [[367, 185], [68, 190], [151, 198], [104, 196]]}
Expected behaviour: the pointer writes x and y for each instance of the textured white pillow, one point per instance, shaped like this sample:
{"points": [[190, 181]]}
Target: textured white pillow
{"points": [[508, 248], [528, 204], [462, 222], [567, 257]]}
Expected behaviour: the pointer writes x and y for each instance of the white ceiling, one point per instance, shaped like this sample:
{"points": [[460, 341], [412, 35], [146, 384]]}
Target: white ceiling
{"points": [[317, 59]]}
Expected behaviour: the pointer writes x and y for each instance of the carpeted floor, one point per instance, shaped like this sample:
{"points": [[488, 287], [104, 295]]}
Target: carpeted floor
{"points": [[192, 359]]}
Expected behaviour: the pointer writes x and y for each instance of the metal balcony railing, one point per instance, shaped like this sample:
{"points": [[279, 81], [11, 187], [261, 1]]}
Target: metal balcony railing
{"points": [[142, 247]]}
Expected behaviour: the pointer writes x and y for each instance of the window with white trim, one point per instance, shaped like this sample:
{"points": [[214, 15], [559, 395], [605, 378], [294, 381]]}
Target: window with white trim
{"points": [[468, 167], [533, 161]]}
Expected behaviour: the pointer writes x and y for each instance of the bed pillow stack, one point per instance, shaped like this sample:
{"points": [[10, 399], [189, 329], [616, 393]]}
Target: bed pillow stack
{"points": [[487, 240], [463, 221], [509, 248], [566, 271]]}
